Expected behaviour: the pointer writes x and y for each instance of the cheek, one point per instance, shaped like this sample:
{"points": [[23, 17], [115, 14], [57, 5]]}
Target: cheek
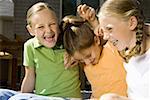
{"points": [[116, 34], [94, 53], [55, 28], [38, 32], [121, 33]]}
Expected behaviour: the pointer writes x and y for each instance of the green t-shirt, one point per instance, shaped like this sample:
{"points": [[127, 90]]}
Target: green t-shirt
{"points": [[52, 79]]}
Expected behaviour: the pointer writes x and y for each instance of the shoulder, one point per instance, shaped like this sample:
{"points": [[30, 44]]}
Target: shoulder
{"points": [[29, 42]]}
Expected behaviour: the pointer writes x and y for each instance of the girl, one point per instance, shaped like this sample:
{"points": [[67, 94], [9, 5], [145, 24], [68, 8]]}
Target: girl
{"points": [[122, 23], [103, 66], [45, 73]]}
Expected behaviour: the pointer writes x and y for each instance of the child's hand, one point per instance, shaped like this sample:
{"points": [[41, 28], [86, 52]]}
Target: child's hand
{"points": [[89, 14], [86, 12], [69, 61]]}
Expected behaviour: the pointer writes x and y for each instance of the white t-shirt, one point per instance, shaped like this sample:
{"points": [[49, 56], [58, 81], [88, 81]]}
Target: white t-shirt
{"points": [[138, 77]]}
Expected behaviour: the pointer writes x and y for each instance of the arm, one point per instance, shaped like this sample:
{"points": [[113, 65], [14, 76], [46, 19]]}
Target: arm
{"points": [[29, 80], [89, 14]]}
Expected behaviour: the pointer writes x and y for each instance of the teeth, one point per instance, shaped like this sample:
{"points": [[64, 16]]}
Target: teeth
{"points": [[48, 38], [115, 42]]}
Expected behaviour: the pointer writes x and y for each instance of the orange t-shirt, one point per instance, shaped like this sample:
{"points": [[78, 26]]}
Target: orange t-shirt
{"points": [[108, 76]]}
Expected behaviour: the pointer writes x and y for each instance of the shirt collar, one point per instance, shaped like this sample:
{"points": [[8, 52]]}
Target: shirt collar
{"points": [[36, 43]]}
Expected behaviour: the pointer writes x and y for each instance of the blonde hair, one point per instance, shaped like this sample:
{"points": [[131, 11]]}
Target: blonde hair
{"points": [[36, 8], [125, 9]]}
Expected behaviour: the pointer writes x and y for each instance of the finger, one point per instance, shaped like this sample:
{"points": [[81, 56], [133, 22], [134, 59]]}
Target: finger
{"points": [[81, 12], [87, 14], [84, 8], [79, 9], [92, 14]]}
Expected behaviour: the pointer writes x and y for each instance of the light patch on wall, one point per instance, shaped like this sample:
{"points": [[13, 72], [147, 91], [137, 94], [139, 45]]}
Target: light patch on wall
{"points": [[5, 55]]}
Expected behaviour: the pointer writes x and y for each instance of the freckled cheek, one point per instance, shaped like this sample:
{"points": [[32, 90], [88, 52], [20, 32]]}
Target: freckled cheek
{"points": [[55, 28], [114, 35], [39, 32], [119, 36]]}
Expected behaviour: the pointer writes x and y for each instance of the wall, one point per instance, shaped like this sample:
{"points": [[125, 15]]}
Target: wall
{"points": [[146, 9]]}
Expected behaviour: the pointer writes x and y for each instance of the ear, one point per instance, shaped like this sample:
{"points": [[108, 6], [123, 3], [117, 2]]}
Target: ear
{"points": [[30, 30], [97, 40], [132, 22]]}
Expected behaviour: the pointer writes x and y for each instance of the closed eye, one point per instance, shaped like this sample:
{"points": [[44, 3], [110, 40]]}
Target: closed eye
{"points": [[51, 24], [87, 56], [41, 27], [109, 28]]}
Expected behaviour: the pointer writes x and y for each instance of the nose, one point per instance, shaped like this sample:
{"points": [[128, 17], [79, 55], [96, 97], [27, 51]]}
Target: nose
{"points": [[106, 35], [48, 29], [101, 32]]}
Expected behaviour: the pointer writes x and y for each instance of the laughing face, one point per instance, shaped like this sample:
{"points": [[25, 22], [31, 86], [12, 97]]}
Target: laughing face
{"points": [[90, 55], [117, 31], [44, 27]]}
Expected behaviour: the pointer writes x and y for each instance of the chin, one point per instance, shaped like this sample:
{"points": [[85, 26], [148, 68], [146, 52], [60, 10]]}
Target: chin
{"points": [[50, 45], [121, 49]]}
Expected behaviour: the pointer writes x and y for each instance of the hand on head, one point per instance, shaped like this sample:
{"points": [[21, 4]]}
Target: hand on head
{"points": [[86, 12]]}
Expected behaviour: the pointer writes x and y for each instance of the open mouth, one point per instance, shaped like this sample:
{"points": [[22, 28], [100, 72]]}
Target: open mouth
{"points": [[114, 42], [49, 38]]}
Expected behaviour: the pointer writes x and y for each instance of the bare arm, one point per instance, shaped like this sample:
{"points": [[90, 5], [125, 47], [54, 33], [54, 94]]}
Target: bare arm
{"points": [[29, 80], [89, 14]]}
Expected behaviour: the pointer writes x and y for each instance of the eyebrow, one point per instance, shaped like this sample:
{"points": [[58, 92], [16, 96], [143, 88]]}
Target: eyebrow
{"points": [[108, 25]]}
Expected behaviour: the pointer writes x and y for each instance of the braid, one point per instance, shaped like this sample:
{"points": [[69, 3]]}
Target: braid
{"points": [[125, 9], [127, 54]]}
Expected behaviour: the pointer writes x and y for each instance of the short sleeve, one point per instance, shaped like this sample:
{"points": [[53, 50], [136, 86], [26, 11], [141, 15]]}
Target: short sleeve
{"points": [[28, 55]]}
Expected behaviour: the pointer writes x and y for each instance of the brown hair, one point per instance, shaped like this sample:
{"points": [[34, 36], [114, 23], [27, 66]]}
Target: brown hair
{"points": [[125, 9], [77, 34]]}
